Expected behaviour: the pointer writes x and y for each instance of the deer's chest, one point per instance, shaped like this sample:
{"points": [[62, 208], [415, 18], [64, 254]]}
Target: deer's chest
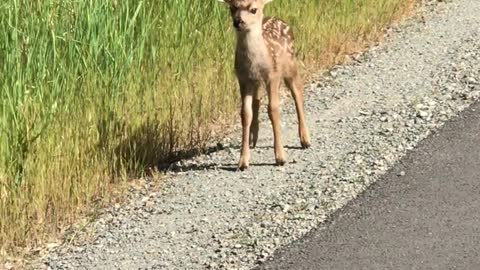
{"points": [[252, 62]]}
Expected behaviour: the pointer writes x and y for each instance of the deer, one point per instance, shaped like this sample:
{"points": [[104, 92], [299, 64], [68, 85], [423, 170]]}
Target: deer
{"points": [[264, 56]]}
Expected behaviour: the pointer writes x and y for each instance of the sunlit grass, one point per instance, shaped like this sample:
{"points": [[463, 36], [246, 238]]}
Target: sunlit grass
{"points": [[94, 92]]}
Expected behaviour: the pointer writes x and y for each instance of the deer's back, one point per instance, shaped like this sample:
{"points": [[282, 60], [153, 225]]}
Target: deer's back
{"points": [[278, 37]]}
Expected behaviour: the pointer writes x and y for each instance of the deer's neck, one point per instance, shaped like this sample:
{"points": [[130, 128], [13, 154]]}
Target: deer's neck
{"points": [[251, 41]]}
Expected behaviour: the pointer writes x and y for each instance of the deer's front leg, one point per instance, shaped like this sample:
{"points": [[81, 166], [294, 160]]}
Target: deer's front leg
{"points": [[274, 114], [247, 115]]}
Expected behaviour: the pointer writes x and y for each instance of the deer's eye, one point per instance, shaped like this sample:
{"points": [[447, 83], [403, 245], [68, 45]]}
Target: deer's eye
{"points": [[253, 11]]}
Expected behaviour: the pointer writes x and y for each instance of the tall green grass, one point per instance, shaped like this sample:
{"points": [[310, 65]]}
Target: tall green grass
{"points": [[94, 92]]}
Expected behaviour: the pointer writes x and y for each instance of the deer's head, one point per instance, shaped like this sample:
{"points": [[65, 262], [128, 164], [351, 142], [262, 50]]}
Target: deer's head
{"points": [[246, 14]]}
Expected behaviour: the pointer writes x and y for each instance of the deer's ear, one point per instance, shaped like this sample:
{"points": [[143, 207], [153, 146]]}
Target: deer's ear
{"points": [[266, 1]]}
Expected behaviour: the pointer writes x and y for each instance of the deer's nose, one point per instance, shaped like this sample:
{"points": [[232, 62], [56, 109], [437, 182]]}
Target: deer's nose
{"points": [[237, 23]]}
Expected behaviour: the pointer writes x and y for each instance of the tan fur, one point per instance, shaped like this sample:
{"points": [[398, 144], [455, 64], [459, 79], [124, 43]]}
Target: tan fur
{"points": [[264, 57]]}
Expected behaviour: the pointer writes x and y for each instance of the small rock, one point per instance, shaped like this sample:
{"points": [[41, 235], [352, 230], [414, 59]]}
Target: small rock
{"points": [[423, 114], [8, 266], [364, 113]]}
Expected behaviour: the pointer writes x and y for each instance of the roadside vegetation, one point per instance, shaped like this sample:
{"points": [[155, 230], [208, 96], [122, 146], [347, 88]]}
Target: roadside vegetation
{"points": [[93, 93]]}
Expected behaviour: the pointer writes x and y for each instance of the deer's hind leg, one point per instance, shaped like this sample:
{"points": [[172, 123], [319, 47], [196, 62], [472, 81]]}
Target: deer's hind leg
{"points": [[294, 83], [255, 124]]}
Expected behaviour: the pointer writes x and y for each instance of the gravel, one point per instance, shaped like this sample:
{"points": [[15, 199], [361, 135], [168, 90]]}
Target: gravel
{"points": [[363, 116]]}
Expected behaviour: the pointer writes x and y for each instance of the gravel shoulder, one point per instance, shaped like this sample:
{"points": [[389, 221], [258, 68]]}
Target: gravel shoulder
{"points": [[363, 118]]}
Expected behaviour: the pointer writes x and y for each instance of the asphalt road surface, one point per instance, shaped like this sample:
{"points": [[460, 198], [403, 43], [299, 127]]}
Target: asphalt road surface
{"points": [[424, 214]]}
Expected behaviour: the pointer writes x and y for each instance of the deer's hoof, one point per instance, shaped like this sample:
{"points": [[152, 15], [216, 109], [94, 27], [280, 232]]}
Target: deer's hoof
{"points": [[243, 164], [280, 157], [305, 144], [242, 167], [280, 161]]}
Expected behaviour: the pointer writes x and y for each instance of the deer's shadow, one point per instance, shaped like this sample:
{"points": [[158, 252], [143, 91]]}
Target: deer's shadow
{"points": [[291, 147], [214, 166], [230, 167]]}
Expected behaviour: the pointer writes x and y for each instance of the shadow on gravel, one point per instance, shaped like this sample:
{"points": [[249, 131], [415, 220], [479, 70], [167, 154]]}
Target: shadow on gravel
{"points": [[234, 167], [286, 146], [294, 147], [171, 165], [212, 166]]}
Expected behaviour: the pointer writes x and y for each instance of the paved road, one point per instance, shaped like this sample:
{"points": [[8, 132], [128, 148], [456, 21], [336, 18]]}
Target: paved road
{"points": [[427, 219]]}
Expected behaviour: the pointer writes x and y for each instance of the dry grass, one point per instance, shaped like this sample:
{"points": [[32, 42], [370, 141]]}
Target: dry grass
{"points": [[94, 92]]}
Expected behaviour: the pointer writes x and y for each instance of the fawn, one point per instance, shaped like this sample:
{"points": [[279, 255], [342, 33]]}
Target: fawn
{"points": [[264, 56]]}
